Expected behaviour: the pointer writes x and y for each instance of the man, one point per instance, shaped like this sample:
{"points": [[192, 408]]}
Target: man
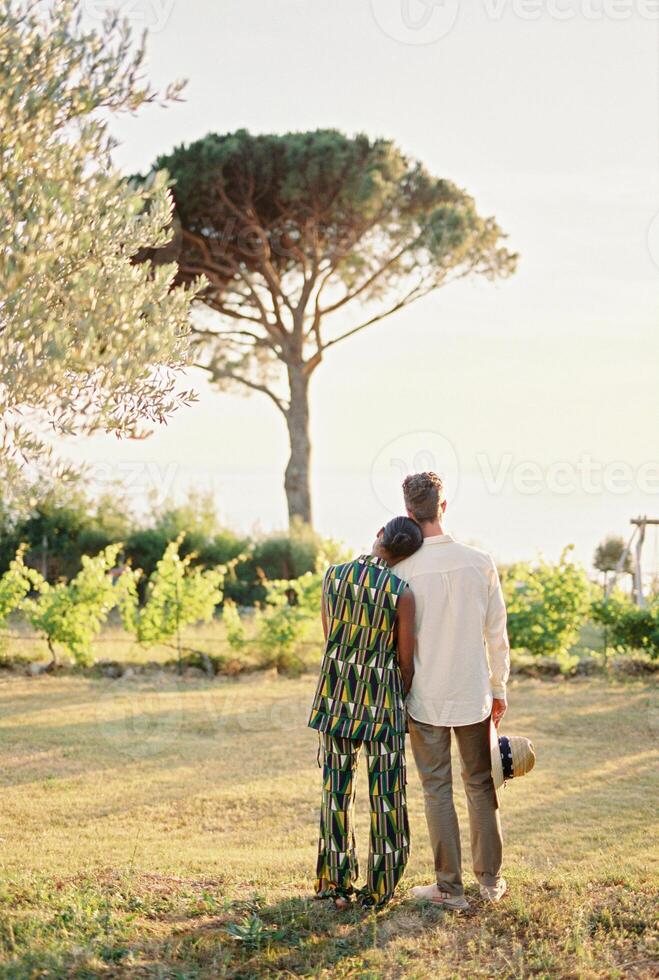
{"points": [[461, 665]]}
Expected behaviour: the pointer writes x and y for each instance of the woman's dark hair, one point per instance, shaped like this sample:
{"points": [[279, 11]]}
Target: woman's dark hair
{"points": [[402, 537]]}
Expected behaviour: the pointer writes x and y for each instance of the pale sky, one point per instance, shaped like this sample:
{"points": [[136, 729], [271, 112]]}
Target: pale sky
{"points": [[551, 124]]}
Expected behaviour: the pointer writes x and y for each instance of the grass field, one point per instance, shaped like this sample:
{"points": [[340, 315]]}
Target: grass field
{"points": [[157, 827]]}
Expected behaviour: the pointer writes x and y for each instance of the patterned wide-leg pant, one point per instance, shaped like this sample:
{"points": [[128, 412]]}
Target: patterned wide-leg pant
{"points": [[338, 866]]}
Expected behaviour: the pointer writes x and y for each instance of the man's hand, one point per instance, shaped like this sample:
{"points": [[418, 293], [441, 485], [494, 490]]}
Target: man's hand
{"points": [[499, 706]]}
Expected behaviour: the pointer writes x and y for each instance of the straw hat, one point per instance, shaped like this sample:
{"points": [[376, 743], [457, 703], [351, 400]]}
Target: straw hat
{"points": [[512, 755]]}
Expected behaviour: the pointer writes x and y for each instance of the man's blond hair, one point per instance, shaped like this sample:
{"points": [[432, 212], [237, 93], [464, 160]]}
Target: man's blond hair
{"points": [[424, 495]]}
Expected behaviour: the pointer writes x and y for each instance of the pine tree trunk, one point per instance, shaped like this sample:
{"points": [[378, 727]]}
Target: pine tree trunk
{"points": [[296, 481]]}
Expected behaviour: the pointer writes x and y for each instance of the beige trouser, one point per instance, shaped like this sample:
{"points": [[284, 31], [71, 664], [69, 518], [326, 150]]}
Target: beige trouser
{"points": [[431, 746]]}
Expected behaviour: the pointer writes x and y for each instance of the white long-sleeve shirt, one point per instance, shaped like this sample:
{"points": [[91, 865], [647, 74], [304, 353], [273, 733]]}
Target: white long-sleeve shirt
{"points": [[462, 656]]}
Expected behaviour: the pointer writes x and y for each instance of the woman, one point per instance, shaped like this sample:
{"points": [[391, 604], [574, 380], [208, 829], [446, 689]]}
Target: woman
{"points": [[367, 669]]}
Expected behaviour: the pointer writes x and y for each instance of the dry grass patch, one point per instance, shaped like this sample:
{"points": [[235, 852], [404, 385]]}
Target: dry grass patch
{"points": [[169, 829]]}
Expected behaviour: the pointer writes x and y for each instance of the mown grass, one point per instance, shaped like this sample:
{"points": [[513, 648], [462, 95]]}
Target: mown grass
{"points": [[166, 827]]}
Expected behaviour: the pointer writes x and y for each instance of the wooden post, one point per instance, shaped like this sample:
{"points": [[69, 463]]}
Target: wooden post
{"points": [[606, 627], [641, 523]]}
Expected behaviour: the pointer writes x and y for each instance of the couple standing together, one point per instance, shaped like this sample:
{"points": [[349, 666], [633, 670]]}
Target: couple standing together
{"points": [[415, 637]]}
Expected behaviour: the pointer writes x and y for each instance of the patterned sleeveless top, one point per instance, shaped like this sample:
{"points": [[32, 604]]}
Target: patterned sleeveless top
{"points": [[360, 690]]}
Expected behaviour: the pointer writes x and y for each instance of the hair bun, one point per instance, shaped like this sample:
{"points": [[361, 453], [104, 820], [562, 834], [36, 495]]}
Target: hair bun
{"points": [[402, 536]]}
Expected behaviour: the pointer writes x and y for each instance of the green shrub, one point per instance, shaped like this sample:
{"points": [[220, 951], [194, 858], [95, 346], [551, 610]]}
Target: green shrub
{"points": [[194, 524], [61, 526], [282, 556], [144, 549], [629, 627], [233, 626], [287, 555], [71, 614], [178, 595], [52, 532], [223, 548], [241, 583], [292, 613], [15, 585], [195, 527], [547, 605]]}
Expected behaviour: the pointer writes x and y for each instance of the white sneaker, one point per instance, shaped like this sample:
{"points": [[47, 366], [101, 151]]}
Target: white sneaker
{"points": [[433, 894], [494, 893]]}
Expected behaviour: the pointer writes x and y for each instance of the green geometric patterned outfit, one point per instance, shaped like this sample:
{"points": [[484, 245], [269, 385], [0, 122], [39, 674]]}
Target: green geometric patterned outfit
{"points": [[359, 702]]}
